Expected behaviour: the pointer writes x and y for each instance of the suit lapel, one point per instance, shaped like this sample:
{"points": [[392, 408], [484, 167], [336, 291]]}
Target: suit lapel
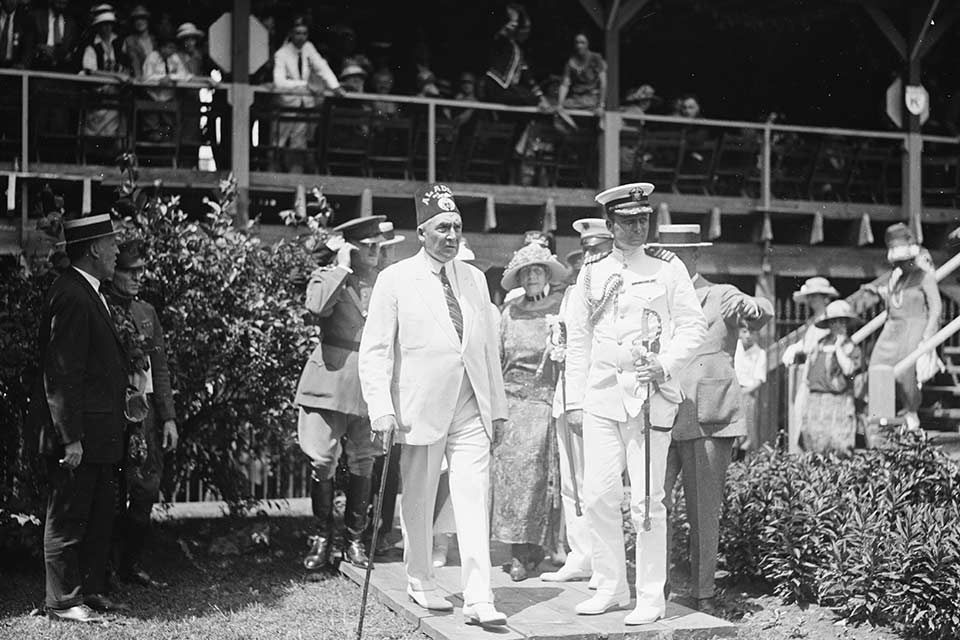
{"points": [[430, 289], [98, 303], [467, 299]]}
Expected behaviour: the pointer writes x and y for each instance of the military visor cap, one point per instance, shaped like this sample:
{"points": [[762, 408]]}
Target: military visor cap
{"points": [[592, 231], [365, 230], [627, 200]]}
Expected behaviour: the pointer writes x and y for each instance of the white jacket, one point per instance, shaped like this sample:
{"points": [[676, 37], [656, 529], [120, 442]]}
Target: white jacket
{"points": [[287, 77], [411, 359]]}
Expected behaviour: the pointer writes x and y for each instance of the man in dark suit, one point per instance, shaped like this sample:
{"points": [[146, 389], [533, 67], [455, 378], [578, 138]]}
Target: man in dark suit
{"points": [[17, 36], [57, 34], [79, 405], [710, 417]]}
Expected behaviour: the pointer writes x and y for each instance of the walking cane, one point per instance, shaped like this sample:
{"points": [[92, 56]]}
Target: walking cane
{"points": [[378, 507], [563, 417]]}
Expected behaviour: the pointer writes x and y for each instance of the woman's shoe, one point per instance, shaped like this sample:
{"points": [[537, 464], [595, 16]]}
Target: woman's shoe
{"points": [[518, 571]]}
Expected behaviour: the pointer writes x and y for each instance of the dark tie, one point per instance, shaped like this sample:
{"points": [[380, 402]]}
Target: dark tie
{"points": [[456, 316], [300, 64], [5, 36], [57, 31]]}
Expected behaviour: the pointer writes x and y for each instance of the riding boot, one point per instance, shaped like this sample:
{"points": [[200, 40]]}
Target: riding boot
{"points": [[358, 500], [321, 499]]}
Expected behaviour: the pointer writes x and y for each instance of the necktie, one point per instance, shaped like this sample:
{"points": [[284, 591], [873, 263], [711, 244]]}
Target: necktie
{"points": [[103, 299], [300, 64], [166, 66], [456, 316], [6, 39], [57, 29]]}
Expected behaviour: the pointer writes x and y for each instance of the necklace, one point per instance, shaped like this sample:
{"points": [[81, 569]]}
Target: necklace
{"points": [[536, 298]]}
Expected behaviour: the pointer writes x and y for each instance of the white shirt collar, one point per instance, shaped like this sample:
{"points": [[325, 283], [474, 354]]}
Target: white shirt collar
{"points": [[95, 283], [434, 264]]}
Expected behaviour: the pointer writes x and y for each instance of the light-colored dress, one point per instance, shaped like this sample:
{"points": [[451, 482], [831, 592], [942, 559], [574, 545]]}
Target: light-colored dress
{"points": [[584, 79], [909, 297], [829, 419], [525, 475]]}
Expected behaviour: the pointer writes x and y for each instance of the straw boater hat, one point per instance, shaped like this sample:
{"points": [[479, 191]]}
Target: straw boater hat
{"points": [[837, 309], [816, 285], [352, 70], [88, 228], [388, 234], [526, 256], [189, 30], [103, 17], [680, 236], [365, 230]]}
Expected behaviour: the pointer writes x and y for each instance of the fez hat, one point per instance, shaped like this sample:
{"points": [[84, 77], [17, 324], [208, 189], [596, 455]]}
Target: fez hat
{"points": [[626, 200], [526, 256], [88, 228], [388, 234], [131, 255], [837, 309], [680, 236], [592, 231], [432, 200], [817, 284], [365, 229]]}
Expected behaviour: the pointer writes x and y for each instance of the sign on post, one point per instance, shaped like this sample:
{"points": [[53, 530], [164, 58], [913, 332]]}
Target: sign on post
{"points": [[915, 99], [221, 43]]}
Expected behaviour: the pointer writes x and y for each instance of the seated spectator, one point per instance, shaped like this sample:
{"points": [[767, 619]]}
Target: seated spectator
{"points": [[640, 100], [687, 107], [197, 66], [383, 85], [509, 79], [467, 91], [17, 36], [353, 78], [301, 73], [584, 84], [141, 42], [191, 55], [57, 34], [105, 57]]}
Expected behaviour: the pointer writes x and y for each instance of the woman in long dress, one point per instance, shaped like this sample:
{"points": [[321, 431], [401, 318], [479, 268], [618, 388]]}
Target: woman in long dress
{"points": [[913, 303], [829, 419], [526, 475]]}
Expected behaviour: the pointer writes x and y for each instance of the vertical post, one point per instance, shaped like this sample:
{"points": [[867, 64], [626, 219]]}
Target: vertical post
{"points": [[242, 99], [431, 142], [765, 178], [24, 123], [612, 50], [912, 201], [610, 149], [767, 406]]}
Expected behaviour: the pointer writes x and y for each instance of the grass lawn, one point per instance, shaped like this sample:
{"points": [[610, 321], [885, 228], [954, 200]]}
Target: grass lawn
{"points": [[262, 593]]}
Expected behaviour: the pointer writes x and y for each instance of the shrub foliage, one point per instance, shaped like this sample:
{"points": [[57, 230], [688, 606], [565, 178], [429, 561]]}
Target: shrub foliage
{"points": [[875, 537]]}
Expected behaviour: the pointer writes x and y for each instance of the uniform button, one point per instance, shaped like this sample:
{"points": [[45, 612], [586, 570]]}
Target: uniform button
{"points": [[620, 342], [619, 369]]}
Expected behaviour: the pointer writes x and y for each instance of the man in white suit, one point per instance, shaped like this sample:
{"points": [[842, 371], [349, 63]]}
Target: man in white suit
{"points": [[301, 74], [430, 369]]}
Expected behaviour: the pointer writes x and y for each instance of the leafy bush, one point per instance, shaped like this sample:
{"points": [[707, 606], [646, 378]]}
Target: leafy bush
{"points": [[873, 536]]}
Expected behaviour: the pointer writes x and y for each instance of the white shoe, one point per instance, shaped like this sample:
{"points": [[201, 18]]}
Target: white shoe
{"points": [[643, 614], [601, 603], [429, 600], [441, 543], [483, 614], [594, 582], [565, 574]]}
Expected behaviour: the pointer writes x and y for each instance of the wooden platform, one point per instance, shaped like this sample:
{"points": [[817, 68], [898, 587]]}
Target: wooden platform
{"points": [[534, 609]]}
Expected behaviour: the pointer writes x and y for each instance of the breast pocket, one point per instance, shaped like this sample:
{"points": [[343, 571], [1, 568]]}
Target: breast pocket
{"points": [[646, 306], [414, 329]]}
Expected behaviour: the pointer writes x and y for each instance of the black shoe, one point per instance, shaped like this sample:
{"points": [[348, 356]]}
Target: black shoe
{"points": [[79, 613], [707, 606], [103, 604], [354, 552], [518, 571], [317, 558]]}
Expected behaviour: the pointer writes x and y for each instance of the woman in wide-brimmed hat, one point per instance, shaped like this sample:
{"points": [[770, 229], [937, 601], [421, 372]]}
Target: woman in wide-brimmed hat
{"points": [[829, 418], [815, 294], [525, 471], [913, 303]]}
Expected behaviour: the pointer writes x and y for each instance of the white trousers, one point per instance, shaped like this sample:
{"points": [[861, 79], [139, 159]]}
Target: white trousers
{"points": [[608, 447], [578, 529], [466, 448]]}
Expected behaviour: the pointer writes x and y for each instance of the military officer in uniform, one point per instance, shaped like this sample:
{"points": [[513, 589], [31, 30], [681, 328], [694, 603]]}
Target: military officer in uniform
{"points": [[596, 241], [709, 419], [157, 433], [331, 404], [634, 323]]}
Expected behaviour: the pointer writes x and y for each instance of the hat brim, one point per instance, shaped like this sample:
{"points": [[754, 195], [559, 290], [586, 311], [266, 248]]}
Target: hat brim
{"points": [[831, 292], [190, 34], [88, 238], [397, 239], [825, 322], [511, 277]]}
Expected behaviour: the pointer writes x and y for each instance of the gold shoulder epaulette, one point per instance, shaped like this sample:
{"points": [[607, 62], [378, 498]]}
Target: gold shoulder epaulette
{"points": [[660, 253]]}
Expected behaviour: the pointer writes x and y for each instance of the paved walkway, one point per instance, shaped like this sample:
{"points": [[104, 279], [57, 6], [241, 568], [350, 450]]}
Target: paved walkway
{"points": [[535, 610]]}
